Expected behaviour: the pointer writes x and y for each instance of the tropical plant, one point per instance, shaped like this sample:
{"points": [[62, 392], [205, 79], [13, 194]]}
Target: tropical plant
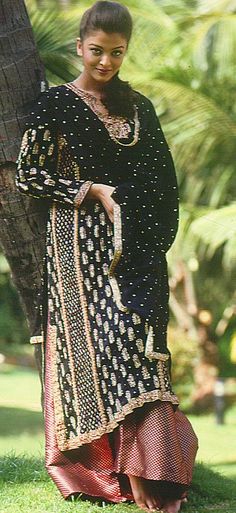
{"points": [[183, 57]]}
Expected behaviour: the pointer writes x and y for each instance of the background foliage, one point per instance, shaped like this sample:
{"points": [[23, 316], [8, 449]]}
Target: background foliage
{"points": [[183, 57]]}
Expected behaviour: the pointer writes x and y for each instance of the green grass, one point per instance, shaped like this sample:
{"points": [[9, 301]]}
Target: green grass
{"points": [[217, 446], [21, 426], [26, 487]]}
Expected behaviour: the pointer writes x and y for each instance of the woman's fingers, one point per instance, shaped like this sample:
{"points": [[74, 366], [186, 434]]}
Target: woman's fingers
{"points": [[111, 215], [108, 204]]}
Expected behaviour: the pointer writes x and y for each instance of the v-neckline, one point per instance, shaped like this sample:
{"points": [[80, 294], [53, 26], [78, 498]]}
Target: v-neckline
{"points": [[79, 89], [75, 90]]}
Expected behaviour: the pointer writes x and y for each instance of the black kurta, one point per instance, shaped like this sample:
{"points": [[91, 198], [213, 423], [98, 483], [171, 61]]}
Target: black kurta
{"points": [[106, 307]]}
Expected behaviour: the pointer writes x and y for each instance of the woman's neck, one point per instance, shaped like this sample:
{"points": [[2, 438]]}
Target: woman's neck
{"points": [[86, 84]]}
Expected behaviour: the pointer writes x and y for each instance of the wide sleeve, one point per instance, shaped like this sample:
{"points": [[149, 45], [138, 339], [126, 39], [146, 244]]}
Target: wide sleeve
{"points": [[37, 164], [149, 200]]}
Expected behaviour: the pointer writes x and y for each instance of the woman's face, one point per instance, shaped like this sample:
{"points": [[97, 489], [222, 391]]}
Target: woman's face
{"points": [[102, 55]]}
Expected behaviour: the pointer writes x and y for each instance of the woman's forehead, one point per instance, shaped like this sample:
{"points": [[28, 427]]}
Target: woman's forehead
{"points": [[105, 39]]}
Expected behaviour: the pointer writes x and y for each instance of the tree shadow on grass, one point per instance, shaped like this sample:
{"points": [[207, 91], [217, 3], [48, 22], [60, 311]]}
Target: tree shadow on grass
{"points": [[228, 464], [22, 469], [210, 487], [15, 421], [224, 463]]}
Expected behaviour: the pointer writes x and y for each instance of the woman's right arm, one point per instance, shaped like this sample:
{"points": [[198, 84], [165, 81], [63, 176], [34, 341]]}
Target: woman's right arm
{"points": [[37, 164], [37, 169]]}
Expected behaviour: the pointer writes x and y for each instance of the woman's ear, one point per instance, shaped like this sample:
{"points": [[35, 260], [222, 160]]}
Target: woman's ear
{"points": [[79, 47]]}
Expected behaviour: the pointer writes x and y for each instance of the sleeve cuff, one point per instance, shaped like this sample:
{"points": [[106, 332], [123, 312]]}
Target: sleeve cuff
{"points": [[79, 197]]}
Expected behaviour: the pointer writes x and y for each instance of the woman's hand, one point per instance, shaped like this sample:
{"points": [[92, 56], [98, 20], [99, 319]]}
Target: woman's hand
{"points": [[103, 193]]}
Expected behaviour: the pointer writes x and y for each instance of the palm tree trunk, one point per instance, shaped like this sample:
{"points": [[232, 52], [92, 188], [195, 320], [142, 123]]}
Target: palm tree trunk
{"points": [[22, 221]]}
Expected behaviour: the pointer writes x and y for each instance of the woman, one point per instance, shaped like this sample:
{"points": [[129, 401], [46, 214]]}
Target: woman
{"points": [[95, 153]]}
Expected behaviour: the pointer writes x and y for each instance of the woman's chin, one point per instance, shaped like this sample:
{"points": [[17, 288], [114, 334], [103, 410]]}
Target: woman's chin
{"points": [[103, 78]]}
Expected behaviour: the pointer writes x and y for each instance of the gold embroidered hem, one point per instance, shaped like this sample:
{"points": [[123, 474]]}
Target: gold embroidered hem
{"points": [[77, 441], [101, 371], [64, 445]]}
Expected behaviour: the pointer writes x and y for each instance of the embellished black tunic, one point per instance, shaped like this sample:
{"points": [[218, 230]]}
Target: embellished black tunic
{"points": [[106, 308]]}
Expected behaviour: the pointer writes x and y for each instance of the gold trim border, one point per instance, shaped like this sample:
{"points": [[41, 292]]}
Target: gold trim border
{"points": [[58, 410], [118, 417], [149, 352], [117, 254], [61, 434], [84, 305]]}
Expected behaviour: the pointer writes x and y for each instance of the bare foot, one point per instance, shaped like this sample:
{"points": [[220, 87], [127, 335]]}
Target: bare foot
{"points": [[142, 495], [172, 506]]}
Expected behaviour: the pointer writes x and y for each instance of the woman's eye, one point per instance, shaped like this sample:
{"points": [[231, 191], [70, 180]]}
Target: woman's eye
{"points": [[117, 53], [96, 51]]}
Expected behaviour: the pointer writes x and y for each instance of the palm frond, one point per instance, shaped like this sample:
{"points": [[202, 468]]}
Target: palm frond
{"points": [[55, 34], [218, 228], [229, 256], [206, 6], [196, 125], [214, 45]]}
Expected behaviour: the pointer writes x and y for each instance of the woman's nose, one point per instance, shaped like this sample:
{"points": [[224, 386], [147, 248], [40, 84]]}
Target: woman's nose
{"points": [[105, 61]]}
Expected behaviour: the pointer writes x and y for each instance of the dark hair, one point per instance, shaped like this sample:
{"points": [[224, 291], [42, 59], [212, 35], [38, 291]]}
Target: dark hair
{"points": [[118, 95]]}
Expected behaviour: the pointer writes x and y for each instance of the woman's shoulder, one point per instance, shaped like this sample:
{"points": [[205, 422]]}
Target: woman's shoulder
{"points": [[53, 93], [143, 101], [44, 108], [50, 101]]}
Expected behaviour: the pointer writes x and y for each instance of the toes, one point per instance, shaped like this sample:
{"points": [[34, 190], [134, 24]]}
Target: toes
{"points": [[172, 507], [143, 506], [157, 504], [150, 504]]}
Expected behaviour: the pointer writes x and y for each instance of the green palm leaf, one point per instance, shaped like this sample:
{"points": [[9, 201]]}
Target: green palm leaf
{"points": [[216, 229], [182, 55], [196, 126]]}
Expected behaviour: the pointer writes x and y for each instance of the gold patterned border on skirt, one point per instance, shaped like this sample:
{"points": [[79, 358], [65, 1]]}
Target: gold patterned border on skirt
{"points": [[102, 414], [61, 433], [106, 425]]}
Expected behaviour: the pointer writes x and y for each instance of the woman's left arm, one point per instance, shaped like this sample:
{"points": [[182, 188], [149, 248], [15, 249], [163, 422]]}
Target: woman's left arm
{"points": [[154, 189]]}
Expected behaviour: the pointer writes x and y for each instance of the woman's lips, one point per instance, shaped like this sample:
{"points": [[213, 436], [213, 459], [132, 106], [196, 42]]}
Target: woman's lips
{"points": [[103, 71]]}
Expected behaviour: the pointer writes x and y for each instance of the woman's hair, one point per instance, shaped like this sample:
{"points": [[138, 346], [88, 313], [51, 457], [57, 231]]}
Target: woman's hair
{"points": [[118, 95]]}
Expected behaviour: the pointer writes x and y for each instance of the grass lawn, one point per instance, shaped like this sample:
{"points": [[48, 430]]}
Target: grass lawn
{"points": [[26, 488], [21, 427]]}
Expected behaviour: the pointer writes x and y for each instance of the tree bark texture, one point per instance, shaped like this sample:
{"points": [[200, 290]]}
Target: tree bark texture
{"points": [[22, 219]]}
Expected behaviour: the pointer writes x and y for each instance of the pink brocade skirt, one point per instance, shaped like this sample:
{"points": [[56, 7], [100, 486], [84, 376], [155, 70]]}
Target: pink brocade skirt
{"points": [[154, 442]]}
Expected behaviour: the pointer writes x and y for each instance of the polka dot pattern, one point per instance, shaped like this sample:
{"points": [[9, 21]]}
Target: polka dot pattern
{"points": [[100, 368], [143, 176], [97, 371]]}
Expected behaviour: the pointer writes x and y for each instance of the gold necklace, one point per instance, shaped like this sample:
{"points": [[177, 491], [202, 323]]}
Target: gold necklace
{"points": [[136, 131], [105, 118]]}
